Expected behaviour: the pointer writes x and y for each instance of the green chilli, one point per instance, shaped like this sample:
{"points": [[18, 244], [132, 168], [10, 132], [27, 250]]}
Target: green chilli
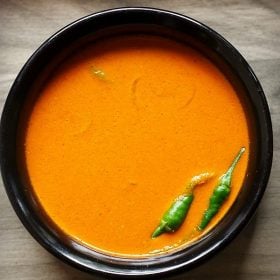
{"points": [[220, 193], [100, 74], [174, 217]]}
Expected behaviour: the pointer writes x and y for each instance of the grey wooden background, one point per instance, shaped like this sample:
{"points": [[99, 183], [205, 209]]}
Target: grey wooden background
{"points": [[253, 27]]}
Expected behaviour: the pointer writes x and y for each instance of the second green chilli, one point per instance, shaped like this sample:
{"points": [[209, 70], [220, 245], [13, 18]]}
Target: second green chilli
{"points": [[220, 193]]}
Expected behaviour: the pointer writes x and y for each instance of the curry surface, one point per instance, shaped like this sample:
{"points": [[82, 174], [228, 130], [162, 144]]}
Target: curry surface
{"points": [[107, 154]]}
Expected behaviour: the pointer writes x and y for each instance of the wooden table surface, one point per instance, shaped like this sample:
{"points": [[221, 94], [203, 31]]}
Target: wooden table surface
{"points": [[253, 27]]}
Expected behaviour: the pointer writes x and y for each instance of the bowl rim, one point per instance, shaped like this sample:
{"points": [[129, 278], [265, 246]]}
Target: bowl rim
{"points": [[130, 270]]}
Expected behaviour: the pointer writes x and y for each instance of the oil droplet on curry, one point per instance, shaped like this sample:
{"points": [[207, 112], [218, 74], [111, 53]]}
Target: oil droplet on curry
{"points": [[119, 129]]}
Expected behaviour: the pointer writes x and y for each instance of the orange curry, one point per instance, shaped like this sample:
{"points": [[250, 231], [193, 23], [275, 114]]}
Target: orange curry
{"points": [[117, 132]]}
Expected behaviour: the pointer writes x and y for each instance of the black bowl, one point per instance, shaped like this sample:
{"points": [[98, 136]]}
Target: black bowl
{"points": [[180, 28]]}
